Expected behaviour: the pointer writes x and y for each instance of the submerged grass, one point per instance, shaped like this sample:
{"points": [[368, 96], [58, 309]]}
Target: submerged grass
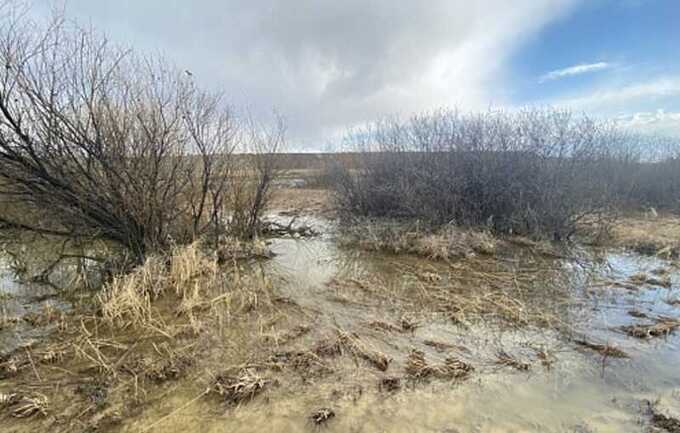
{"points": [[452, 368], [662, 327], [606, 350], [154, 325], [345, 342]]}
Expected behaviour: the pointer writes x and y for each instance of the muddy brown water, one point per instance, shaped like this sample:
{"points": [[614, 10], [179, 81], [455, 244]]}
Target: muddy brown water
{"points": [[579, 392]]}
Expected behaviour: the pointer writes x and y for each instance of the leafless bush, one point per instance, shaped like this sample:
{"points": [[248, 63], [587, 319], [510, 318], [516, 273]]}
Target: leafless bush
{"points": [[655, 180], [98, 141], [538, 172]]}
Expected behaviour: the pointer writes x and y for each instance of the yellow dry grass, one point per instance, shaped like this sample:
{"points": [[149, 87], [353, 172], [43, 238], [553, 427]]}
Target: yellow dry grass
{"points": [[646, 235], [446, 243], [187, 272]]}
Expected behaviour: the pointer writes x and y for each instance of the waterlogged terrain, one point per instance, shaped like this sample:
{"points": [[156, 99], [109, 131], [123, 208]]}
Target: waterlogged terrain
{"points": [[570, 341], [548, 383]]}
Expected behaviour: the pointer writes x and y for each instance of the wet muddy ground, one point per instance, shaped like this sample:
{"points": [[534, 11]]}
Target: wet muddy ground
{"points": [[368, 342]]}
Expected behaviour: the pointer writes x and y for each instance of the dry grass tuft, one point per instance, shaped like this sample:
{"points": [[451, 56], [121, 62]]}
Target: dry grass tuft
{"points": [[605, 350], [638, 314], [452, 368], [389, 384], [239, 388], [663, 327], [25, 406], [10, 366], [352, 344], [126, 300], [654, 237], [395, 237], [322, 415], [186, 272], [303, 361], [504, 358], [287, 336], [664, 422], [642, 278], [361, 350], [234, 249], [379, 325], [440, 346], [500, 306], [408, 323]]}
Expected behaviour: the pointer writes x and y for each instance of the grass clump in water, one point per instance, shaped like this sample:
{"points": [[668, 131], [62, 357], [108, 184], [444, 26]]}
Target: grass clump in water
{"points": [[452, 368], [399, 237], [239, 388]]}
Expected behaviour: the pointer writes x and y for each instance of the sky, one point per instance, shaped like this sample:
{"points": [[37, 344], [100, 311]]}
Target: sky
{"points": [[328, 65]]}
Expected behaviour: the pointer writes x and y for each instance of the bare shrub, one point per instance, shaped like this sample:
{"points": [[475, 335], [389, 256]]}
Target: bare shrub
{"points": [[537, 172], [655, 180], [97, 141], [252, 177]]}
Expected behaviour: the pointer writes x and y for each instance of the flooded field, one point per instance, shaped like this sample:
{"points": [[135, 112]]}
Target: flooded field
{"points": [[580, 341]]}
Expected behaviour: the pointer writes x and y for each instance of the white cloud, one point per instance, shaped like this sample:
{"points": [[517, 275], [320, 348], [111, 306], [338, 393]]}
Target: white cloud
{"points": [[326, 64], [659, 121], [625, 96], [574, 70]]}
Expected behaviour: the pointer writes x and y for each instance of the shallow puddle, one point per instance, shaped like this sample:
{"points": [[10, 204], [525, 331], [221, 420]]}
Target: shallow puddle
{"points": [[578, 390]]}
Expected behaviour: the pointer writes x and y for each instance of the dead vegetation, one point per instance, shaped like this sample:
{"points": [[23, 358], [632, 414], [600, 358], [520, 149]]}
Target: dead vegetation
{"points": [[641, 278], [662, 327], [452, 368], [467, 292], [102, 142], [297, 231], [665, 423], [346, 342], [606, 350], [240, 387], [24, 405], [542, 173], [505, 359], [28, 405], [389, 384], [186, 272], [498, 306], [303, 361], [147, 328], [287, 336], [171, 365], [400, 237], [322, 415], [652, 236], [191, 277], [440, 346], [662, 421], [383, 326]]}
